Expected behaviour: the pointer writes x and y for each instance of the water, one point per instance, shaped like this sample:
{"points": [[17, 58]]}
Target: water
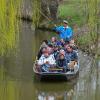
{"points": [[16, 75]]}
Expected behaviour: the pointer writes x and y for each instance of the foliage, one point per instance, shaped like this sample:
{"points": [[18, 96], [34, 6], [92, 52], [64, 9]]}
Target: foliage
{"points": [[36, 11], [92, 18], [8, 25]]}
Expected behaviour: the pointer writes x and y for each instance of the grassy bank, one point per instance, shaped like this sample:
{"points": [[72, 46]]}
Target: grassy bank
{"points": [[72, 10], [75, 12]]}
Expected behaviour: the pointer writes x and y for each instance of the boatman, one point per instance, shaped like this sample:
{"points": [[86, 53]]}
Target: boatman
{"points": [[65, 32]]}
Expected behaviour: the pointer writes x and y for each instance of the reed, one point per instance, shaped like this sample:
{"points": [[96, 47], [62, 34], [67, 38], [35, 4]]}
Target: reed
{"points": [[36, 12], [8, 25]]}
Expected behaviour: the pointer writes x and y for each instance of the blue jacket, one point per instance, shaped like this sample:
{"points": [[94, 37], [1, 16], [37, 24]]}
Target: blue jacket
{"points": [[64, 33]]}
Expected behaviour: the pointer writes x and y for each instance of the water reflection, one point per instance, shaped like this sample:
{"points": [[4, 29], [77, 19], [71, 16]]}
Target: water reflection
{"points": [[16, 90], [22, 86], [88, 85], [54, 91]]}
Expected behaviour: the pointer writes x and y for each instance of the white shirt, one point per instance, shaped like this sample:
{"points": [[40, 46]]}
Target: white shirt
{"points": [[49, 59], [66, 27]]}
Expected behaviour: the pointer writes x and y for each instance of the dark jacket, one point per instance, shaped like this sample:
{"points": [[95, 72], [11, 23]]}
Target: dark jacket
{"points": [[71, 56], [61, 62]]}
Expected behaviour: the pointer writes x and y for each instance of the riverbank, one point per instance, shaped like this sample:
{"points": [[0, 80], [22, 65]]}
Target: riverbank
{"points": [[85, 41]]}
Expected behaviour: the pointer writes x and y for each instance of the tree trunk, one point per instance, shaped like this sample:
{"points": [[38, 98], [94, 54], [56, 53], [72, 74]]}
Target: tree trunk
{"points": [[49, 8]]}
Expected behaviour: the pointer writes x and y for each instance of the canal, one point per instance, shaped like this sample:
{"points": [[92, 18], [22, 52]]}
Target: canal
{"points": [[16, 74]]}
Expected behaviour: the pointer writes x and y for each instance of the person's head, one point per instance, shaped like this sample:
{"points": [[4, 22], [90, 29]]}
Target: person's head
{"points": [[44, 49], [69, 48], [65, 23], [46, 54], [53, 39], [50, 49], [62, 54], [66, 45], [45, 42]]}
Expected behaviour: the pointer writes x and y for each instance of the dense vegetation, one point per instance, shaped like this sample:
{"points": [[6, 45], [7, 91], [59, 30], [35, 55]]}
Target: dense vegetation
{"points": [[8, 25], [10, 10], [93, 21], [36, 11]]}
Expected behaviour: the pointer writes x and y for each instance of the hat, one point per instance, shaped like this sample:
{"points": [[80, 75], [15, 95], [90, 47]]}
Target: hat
{"points": [[62, 52], [65, 21]]}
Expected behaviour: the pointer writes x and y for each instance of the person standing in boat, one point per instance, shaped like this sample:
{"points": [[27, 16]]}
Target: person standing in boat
{"points": [[65, 32]]}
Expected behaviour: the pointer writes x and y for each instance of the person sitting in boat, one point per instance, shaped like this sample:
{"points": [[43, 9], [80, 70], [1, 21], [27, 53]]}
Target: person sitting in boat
{"points": [[72, 43], [53, 41], [65, 32], [46, 61], [43, 49], [61, 61], [71, 56], [56, 51], [61, 42], [49, 47]]}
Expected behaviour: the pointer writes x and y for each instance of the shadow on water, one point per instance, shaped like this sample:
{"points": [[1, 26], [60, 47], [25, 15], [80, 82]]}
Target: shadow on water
{"points": [[16, 75]]}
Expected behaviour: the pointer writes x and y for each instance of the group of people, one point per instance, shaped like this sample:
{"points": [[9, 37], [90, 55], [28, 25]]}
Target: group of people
{"points": [[58, 54]]}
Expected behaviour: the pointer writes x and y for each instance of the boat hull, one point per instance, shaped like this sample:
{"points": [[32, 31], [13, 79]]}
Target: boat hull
{"points": [[53, 76]]}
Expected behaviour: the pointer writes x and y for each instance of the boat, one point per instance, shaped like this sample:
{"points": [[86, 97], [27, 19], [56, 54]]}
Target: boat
{"points": [[56, 75]]}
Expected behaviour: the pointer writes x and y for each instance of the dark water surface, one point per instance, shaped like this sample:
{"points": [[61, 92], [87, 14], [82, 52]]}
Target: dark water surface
{"points": [[16, 75]]}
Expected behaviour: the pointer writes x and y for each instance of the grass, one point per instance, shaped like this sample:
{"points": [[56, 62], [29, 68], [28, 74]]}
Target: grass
{"points": [[84, 40], [72, 11]]}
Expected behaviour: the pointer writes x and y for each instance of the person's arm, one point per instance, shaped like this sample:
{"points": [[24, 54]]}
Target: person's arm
{"points": [[52, 60], [40, 61], [39, 54], [54, 28], [57, 29]]}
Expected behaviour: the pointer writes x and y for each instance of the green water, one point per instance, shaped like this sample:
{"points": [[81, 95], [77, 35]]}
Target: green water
{"points": [[16, 75]]}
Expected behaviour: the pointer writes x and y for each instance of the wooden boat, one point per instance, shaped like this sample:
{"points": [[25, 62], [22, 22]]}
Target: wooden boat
{"points": [[56, 75]]}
